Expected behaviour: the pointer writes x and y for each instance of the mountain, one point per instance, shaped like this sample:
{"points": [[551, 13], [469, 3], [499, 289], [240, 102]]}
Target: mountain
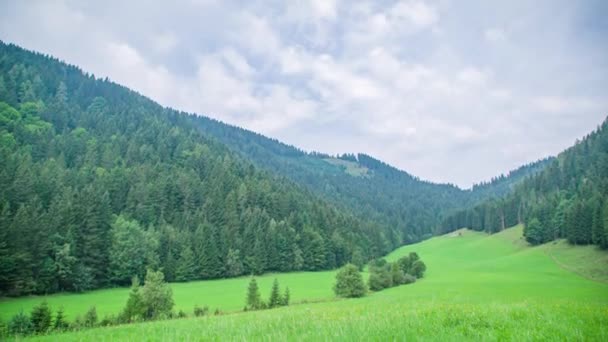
{"points": [[567, 199], [366, 186], [97, 183]]}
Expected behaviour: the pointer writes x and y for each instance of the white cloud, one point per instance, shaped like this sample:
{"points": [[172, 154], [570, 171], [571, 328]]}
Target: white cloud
{"points": [[411, 82]]}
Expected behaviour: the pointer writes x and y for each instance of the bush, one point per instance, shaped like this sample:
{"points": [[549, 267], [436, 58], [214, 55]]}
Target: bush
{"points": [[181, 314], [349, 282], [198, 311], [90, 318], [41, 318], [418, 269], [380, 278], [20, 324], [409, 279], [109, 321]]}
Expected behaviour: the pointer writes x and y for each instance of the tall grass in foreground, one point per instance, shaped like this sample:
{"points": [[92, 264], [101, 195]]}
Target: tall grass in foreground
{"points": [[366, 320]]}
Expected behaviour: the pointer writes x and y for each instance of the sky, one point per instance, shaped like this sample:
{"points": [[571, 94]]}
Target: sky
{"points": [[450, 91]]}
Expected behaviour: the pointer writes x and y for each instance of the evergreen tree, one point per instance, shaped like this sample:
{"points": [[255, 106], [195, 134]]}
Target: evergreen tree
{"points": [[134, 309], [41, 317], [275, 298], [286, 297], [60, 323], [253, 296], [186, 269]]}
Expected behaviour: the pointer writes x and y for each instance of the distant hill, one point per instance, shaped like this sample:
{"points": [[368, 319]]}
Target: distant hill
{"points": [[567, 199], [367, 186]]}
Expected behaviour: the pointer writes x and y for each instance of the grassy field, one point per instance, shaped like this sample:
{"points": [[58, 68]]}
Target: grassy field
{"points": [[476, 287]]}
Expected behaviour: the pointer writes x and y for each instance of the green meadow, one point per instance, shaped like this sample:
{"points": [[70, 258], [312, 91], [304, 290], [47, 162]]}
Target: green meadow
{"points": [[477, 286]]}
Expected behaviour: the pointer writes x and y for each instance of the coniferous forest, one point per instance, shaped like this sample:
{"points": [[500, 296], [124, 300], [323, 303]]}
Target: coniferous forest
{"points": [[99, 183]]}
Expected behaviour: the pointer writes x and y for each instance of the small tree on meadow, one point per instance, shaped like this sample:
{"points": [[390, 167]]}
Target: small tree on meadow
{"points": [[20, 324], [286, 297], [253, 295], [275, 296], [90, 317], [60, 321], [349, 282], [156, 295], [134, 308], [41, 318]]}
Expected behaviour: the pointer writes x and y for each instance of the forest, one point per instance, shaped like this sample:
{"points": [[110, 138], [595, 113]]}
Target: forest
{"points": [[99, 183]]}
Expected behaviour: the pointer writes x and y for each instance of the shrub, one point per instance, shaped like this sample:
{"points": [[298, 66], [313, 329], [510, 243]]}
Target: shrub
{"points": [[409, 279], [397, 275], [349, 282], [198, 311], [181, 314], [90, 318], [380, 278], [41, 318], [418, 269], [109, 321], [20, 324]]}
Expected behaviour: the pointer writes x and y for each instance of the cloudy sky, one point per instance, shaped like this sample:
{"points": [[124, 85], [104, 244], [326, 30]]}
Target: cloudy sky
{"points": [[450, 91]]}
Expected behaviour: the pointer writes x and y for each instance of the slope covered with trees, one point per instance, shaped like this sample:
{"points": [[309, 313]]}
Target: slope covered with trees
{"points": [[98, 183], [376, 190], [568, 199]]}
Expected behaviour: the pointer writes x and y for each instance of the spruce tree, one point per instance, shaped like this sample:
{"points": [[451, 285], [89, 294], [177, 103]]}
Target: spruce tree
{"points": [[275, 297], [253, 295], [41, 317], [60, 321], [286, 297]]}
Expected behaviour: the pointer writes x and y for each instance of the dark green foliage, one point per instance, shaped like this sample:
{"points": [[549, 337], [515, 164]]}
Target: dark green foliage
{"points": [[403, 271], [20, 324], [181, 314], [349, 282], [254, 301], [200, 311], [156, 296], [275, 297], [533, 232], [418, 269], [41, 317]]}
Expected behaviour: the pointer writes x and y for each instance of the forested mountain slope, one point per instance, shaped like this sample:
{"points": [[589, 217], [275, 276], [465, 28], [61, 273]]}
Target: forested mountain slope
{"points": [[568, 199], [369, 187], [97, 183]]}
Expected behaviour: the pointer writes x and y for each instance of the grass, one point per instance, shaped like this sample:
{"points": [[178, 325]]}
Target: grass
{"points": [[350, 167], [477, 287]]}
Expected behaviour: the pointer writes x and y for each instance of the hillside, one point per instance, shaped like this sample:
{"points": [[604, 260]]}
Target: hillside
{"points": [[478, 286], [567, 199], [97, 183], [365, 185]]}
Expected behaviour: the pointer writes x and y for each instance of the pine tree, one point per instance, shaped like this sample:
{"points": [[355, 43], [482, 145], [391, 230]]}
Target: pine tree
{"points": [[41, 317], [186, 268], [134, 309], [275, 298], [286, 297], [60, 321], [253, 296]]}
